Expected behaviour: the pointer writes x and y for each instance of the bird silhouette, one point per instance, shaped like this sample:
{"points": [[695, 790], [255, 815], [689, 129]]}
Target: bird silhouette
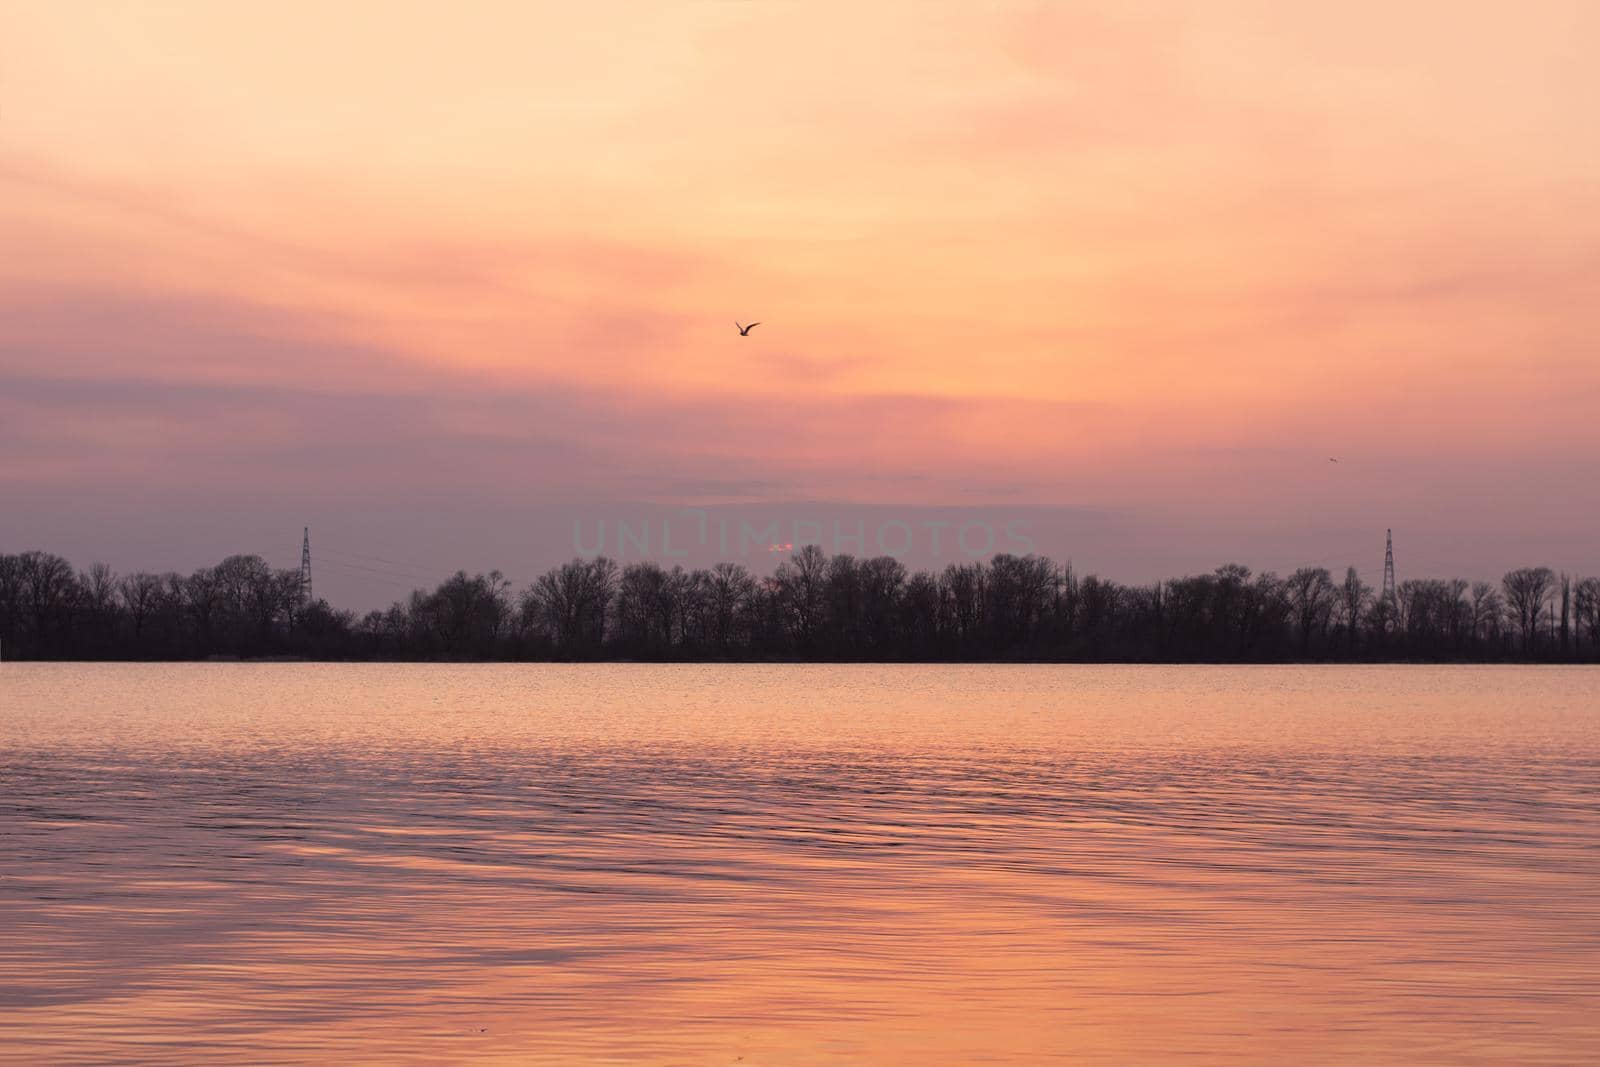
{"points": [[1332, 460], [744, 331]]}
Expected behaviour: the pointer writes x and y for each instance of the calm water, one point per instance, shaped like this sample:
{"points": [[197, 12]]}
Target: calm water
{"points": [[776, 865]]}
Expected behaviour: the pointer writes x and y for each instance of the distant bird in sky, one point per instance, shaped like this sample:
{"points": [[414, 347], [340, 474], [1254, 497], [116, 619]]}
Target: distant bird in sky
{"points": [[1332, 460], [744, 331]]}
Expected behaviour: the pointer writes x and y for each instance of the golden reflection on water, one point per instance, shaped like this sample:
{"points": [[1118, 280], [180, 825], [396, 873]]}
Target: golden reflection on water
{"points": [[789, 865]]}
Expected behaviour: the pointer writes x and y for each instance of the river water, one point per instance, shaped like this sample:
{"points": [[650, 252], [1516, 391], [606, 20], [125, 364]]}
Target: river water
{"points": [[290, 863]]}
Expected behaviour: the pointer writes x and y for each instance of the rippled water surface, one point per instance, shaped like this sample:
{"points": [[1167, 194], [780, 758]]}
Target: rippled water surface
{"points": [[774, 865]]}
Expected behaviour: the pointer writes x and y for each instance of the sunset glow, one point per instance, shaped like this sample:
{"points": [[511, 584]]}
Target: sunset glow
{"points": [[799, 533], [1120, 258]]}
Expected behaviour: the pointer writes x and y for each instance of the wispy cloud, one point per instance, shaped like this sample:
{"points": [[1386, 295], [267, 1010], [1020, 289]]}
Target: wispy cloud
{"points": [[1128, 257]]}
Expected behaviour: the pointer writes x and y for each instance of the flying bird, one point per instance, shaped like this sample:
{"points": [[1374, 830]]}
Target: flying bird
{"points": [[744, 331], [1332, 460]]}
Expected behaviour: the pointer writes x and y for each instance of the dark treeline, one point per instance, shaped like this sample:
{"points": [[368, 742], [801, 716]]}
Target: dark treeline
{"points": [[813, 608]]}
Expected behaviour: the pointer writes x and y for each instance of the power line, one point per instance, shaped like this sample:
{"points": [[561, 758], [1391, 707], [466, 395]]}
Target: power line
{"points": [[355, 570], [420, 567]]}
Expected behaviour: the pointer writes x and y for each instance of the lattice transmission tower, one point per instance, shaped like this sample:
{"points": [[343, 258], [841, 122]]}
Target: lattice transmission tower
{"points": [[1390, 597], [305, 568]]}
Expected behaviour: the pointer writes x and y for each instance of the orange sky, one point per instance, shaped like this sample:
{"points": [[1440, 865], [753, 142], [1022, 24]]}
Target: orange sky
{"points": [[1156, 261]]}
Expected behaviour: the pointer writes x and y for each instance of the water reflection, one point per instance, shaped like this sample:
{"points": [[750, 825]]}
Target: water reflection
{"points": [[798, 865]]}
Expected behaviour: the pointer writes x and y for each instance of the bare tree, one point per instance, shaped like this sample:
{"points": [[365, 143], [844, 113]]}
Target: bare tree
{"points": [[570, 603], [1566, 609], [801, 583], [139, 595], [1311, 595], [883, 580], [1488, 612], [47, 596], [1587, 606], [730, 593], [814, 606], [98, 597], [1527, 591]]}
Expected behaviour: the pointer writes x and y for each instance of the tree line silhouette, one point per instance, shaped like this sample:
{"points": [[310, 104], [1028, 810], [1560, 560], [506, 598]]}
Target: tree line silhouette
{"points": [[814, 607]]}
